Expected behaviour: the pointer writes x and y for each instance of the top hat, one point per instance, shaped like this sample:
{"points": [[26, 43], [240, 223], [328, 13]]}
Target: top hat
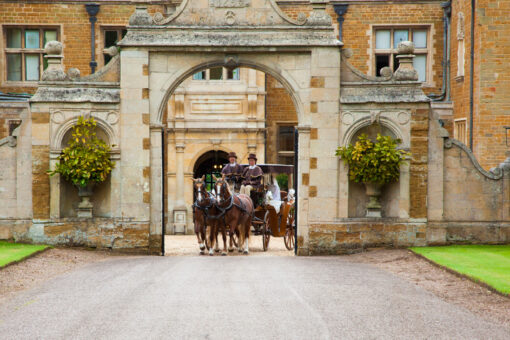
{"points": [[232, 154], [252, 156]]}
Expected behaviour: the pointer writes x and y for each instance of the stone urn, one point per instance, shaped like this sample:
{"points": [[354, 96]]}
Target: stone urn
{"points": [[373, 191], [85, 206]]}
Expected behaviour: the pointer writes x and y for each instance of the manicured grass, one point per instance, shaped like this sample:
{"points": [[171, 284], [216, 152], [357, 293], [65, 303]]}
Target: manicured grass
{"points": [[12, 252], [485, 263]]}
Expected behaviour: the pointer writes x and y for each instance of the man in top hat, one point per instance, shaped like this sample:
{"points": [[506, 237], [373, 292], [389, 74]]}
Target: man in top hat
{"points": [[252, 176], [232, 171]]}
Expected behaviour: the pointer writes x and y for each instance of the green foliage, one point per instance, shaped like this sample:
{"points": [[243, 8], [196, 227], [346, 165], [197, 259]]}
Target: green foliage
{"points": [[283, 181], [373, 162], [87, 158]]}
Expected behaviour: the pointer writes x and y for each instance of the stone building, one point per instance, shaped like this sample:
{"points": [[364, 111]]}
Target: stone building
{"points": [[330, 69]]}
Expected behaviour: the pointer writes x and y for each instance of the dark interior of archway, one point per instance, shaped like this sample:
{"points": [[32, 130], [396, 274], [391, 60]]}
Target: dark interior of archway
{"points": [[210, 164]]}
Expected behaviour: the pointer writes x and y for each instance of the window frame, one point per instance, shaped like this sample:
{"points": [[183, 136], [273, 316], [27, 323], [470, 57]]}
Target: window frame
{"points": [[25, 51], [392, 52], [103, 29], [208, 75], [284, 153]]}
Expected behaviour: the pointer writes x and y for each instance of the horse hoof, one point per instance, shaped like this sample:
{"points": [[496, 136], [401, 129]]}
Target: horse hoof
{"points": [[217, 250], [223, 254], [246, 252], [202, 252], [230, 250]]}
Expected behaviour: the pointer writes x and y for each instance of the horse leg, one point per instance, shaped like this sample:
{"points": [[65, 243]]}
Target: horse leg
{"points": [[200, 243], [247, 226], [241, 238], [212, 238], [217, 247], [231, 245], [224, 236]]}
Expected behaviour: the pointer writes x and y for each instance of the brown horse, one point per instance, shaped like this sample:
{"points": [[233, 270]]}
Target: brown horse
{"points": [[236, 211], [204, 212], [203, 203]]}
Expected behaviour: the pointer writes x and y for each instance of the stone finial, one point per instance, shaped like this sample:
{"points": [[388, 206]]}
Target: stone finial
{"points": [[53, 48], [406, 71], [55, 70], [386, 72], [141, 17], [319, 17]]}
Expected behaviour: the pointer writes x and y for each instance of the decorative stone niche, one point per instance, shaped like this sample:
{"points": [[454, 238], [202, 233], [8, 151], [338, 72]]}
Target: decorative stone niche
{"points": [[64, 195], [394, 196]]}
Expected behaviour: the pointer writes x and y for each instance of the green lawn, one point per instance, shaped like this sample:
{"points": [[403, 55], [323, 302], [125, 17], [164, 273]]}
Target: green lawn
{"points": [[12, 252], [485, 263]]}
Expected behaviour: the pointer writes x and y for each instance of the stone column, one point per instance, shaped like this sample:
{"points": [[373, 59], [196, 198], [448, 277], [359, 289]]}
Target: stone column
{"points": [[179, 174], [302, 182], [179, 213]]}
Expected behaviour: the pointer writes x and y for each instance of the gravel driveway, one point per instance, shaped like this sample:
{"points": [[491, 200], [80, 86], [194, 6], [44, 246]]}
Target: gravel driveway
{"points": [[235, 297]]}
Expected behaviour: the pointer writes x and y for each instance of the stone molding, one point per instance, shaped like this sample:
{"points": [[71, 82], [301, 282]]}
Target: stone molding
{"points": [[62, 120], [233, 8], [390, 119], [494, 173]]}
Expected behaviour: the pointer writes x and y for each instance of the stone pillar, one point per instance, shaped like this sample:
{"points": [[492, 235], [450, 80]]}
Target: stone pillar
{"points": [[179, 213], [179, 148], [303, 187], [404, 200]]}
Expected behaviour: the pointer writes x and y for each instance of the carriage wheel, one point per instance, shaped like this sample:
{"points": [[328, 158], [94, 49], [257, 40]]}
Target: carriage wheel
{"points": [[265, 232], [289, 239]]}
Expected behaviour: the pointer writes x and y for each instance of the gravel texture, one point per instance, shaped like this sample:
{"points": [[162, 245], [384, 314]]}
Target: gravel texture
{"points": [[378, 294]]}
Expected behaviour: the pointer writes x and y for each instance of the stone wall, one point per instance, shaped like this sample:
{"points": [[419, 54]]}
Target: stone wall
{"points": [[116, 234], [470, 194], [466, 204], [15, 164]]}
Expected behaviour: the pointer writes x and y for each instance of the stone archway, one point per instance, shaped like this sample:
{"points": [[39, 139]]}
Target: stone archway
{"points": [[304, 56]]}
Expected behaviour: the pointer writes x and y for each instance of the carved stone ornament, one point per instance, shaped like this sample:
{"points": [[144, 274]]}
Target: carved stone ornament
{"points": [[403, 117], [141, 17], [229, 3], [230, 18], [347, 118], [231, 62], [460, 26]]}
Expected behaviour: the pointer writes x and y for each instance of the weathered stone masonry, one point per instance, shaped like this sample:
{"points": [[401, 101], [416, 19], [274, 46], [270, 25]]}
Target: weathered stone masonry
{"points": [[431, 204]]}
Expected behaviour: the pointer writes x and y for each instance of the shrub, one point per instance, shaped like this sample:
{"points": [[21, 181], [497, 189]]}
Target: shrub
{"points": [[87, 158], [377, 162], [283, 181]]}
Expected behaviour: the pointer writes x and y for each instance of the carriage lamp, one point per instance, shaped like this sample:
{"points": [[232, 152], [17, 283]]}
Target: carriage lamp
{"points": [[506, 134]]}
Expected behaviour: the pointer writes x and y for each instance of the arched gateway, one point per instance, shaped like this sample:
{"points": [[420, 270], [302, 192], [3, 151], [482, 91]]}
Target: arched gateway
{"points": [[159, 53], [131, 95]]}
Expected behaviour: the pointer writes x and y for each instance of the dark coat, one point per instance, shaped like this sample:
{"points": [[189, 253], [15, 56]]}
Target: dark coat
{"points": [[253, 176], [232, 172]]}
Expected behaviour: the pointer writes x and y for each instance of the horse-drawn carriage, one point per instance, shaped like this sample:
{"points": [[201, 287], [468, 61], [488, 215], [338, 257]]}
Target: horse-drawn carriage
{"points": [[269, 212], [274, 208]]}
